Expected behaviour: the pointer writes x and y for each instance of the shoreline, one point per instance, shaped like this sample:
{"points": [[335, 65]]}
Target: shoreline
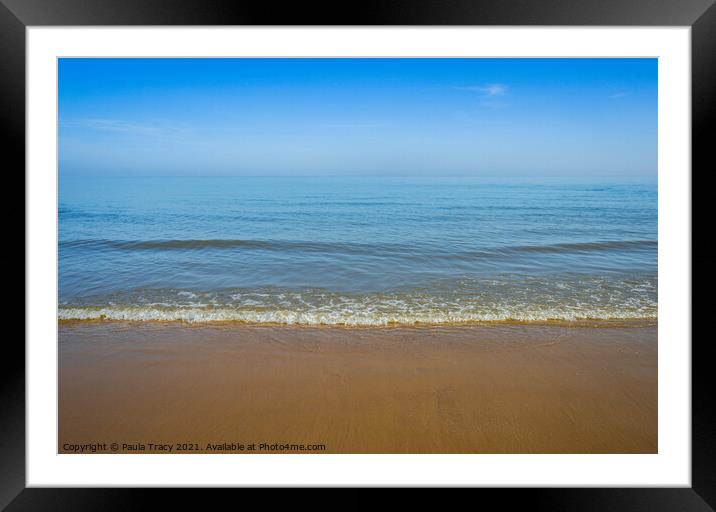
{"points": [[598, 323], [508, 388]]}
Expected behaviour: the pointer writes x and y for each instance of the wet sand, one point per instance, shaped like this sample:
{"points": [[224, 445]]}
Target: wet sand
{"points": [[477, 389]]}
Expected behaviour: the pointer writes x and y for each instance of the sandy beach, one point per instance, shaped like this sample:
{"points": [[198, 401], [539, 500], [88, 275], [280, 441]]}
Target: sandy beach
{"points": [[160, 387]]}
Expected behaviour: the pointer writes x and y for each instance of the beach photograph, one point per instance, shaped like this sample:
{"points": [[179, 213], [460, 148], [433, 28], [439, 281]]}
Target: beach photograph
{"points": [[357, 255]]}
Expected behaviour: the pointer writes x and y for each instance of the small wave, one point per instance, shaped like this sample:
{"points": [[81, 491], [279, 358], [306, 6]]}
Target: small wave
{"points": [[338, 318], [353, 248], [165, 244], [589, 246], [275, 245]]}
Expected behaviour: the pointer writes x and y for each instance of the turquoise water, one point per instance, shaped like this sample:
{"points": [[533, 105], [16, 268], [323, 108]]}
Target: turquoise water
{"points": [[355, 251]]}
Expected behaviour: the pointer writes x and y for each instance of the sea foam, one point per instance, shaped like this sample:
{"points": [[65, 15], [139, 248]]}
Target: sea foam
{"points": [[344, 318]]}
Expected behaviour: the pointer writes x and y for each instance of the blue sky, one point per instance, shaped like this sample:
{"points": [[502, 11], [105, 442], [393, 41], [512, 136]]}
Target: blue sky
{"points": [[385, 117]]}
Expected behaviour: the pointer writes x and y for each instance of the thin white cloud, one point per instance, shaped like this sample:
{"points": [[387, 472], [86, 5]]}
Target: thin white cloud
{"points": [[155, 129], [489, 90], [619, 94], [113, 125]]}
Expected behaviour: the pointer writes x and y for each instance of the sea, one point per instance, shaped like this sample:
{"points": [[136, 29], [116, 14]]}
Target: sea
{"points": [[356, 251]]}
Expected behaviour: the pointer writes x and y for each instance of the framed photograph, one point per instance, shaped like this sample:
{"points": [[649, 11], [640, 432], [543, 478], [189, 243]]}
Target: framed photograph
{"points": [[424, 245]]}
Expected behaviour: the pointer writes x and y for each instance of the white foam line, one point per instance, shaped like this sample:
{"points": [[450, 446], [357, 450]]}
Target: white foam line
{"points": [[288, 317]]}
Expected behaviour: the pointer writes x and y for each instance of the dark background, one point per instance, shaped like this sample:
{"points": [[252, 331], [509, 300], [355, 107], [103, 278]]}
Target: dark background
{"points": [[15, 15]]}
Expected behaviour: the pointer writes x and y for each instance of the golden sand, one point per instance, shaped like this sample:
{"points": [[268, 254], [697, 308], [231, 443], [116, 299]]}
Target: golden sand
{"points": [[476, 389]]}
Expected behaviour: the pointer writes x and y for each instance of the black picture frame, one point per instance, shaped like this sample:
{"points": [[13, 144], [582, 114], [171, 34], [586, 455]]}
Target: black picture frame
{"points": [[16, 15]]}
